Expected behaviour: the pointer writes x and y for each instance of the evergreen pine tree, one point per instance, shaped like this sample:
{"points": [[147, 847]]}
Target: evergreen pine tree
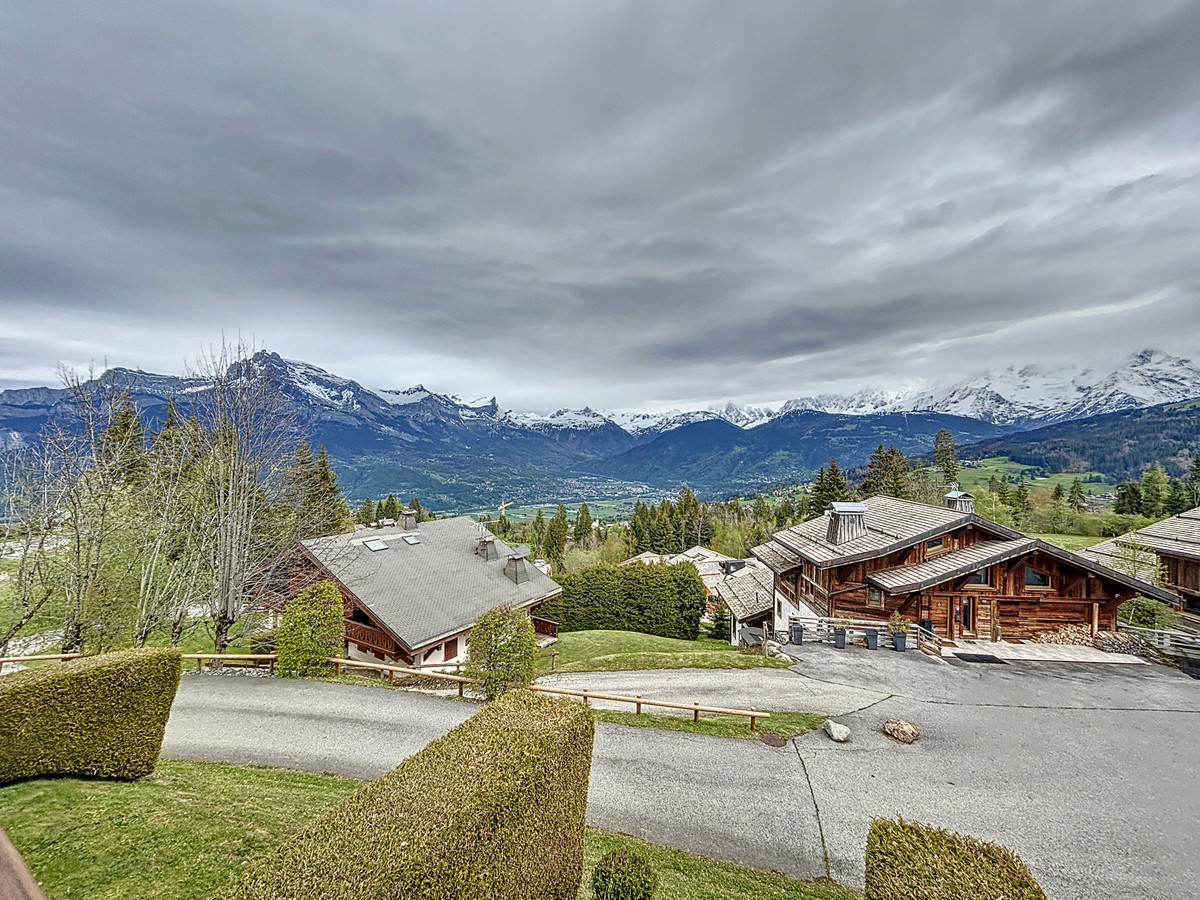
{"points": [[1154, 491], [1129, 499], [366, 512], [582, 534], [1178, 498], [1077, 499], [1192, 482], [945, 455], [538, 530], [829, 487], [555, 543]]}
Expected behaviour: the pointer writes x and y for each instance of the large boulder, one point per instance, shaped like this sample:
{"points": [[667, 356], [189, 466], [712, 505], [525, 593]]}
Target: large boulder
{"points": [[837, 731], [900, 730]]}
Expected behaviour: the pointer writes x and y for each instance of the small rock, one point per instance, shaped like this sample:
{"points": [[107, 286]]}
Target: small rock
{"points": [[836, 731], [899, 730]]}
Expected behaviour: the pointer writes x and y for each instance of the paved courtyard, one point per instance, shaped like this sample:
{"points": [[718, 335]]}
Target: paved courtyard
{"points": [[1086, 770]]}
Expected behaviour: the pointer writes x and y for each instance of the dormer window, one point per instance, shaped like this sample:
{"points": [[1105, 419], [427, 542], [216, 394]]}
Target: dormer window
{"points": [[936, 543], [1034, 578]]}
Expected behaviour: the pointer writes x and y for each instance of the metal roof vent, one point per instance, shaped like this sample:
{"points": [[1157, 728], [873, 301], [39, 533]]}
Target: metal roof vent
{"points": [[487, 548], [729, 566], [516, 568], [847, 522], [960, 501], [408, 519]]}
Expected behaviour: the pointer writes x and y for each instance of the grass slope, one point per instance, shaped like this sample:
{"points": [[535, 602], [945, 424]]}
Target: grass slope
{"points": [[184, 831], [623, 651], [784, 724]]}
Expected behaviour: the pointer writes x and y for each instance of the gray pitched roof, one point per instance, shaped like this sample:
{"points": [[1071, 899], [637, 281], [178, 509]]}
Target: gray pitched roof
{"points": [[427, 591], [892, 524], [749, 593], [918, 576]]}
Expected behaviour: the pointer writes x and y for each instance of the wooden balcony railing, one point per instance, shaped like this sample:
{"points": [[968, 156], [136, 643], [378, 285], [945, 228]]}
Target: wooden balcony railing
{"points": [[369, 636]]}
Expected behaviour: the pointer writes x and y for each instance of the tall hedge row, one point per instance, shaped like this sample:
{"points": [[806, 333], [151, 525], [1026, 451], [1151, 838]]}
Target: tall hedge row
{"points": [[910, 861], [103, 716], [657, 599], [494, 810]]}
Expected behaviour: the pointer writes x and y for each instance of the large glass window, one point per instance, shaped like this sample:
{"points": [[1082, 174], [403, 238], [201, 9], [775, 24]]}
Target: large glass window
{"points": [[1034, 578], [983, 576]]}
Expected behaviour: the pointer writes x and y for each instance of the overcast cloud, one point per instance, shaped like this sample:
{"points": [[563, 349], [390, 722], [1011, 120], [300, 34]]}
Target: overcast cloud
{"points": [[617, 204]]}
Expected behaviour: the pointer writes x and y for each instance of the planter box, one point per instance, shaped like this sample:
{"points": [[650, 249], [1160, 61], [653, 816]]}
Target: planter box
{"points": [[872, 639], [900, 641], [839, 638]]}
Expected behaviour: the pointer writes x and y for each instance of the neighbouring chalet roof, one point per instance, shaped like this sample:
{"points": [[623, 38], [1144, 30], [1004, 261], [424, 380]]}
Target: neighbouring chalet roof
{"points": [[748, 593], [707, 562], [430, 590], [955, 564], [1117, 554], [891, 525], [1176, 536], [918, 576]]}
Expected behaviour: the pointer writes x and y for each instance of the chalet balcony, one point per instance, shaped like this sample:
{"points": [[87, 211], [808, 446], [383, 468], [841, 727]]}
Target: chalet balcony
{"points": [[545, 632], [369, 637]]}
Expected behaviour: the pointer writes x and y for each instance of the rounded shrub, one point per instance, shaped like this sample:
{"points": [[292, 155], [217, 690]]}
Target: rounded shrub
{"points": [[501, 650], [311, 631], [623, 875]]}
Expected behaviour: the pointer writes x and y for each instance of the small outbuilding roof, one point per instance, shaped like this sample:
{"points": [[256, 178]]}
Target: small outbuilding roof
{"points": [[749, 593], [423, 592]]}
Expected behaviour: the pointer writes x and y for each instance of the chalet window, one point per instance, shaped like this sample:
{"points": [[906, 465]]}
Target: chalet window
{"points": [[935, 543], [983, 576], [451, 649], [1034, 578], [874, 597]]}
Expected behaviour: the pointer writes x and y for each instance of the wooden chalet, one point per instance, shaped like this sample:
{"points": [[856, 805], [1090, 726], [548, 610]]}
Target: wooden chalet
{"points": [[1174, 548], [957, 574], [411, 593]]}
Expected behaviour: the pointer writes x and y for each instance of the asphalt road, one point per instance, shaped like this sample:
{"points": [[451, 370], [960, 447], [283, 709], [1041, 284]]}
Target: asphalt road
{"points": [[1087, 771]]}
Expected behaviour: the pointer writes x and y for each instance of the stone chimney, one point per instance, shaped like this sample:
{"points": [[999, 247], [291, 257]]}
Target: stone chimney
{"points": [[487, 548], [408, 519], [847, 522], [960, 501]]}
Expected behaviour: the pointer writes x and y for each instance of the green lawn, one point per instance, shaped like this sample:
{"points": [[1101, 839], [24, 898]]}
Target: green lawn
{"points": [[975, 480], [188, 828], [623, 651], [784, 724], [1069, 541]]}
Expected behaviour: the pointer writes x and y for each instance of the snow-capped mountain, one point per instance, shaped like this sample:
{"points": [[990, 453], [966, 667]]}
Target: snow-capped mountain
{"points": [[642, 425], [1043, 395], [862, 403], [562, 418], [743, 416]]}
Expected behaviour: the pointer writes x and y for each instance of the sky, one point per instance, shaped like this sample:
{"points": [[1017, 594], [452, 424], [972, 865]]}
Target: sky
{"points": [[616, 204]]}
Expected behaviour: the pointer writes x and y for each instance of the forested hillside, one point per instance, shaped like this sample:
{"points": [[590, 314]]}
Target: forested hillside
{"points": [[1122, 445]]}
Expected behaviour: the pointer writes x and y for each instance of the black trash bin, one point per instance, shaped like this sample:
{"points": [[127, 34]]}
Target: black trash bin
{"points": [[872, 639], [797, 634], [927, 624]]}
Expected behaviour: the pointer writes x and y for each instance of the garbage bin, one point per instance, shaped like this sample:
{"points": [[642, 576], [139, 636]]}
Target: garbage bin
{"points": [[797, 634], [927, 624], [872, 639]]}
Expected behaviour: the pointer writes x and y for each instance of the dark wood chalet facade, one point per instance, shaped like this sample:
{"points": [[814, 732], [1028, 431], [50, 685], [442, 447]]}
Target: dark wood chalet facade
{"points": [[958, 574], [411, 594]]}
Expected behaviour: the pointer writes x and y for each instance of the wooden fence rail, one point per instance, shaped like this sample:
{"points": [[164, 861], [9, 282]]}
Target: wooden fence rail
{"points": [[340, 664], [254, 659], [1164, 639], [639, 701]]}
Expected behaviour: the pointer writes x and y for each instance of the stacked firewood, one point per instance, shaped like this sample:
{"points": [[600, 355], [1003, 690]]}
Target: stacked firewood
{"points": [[1108, 641]]}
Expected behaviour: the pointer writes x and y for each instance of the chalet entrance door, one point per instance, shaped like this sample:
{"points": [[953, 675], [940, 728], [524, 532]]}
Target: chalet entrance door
{"points": [[969, 611]]}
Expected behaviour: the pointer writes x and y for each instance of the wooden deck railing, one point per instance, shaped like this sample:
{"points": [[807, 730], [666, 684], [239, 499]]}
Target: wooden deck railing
{"points": [[544, 626], [1164, 639]]}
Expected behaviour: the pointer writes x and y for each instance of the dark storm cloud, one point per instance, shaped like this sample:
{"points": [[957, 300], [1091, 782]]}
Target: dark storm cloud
{"points": [[656, 202]]}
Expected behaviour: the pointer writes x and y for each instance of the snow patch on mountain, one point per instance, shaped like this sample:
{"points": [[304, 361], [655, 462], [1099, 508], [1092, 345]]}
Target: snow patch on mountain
{"points": [[641, 424], [414, 394], [562, 418], [743, 416]]}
